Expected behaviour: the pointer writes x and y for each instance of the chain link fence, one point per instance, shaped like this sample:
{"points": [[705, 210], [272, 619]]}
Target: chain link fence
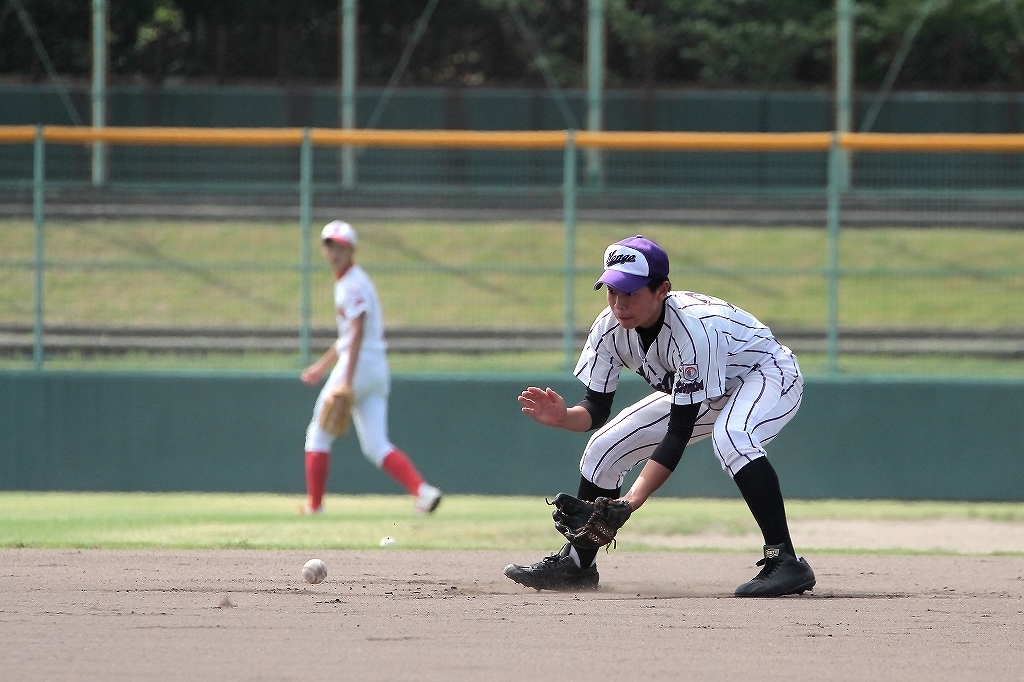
{"points": [[197, 249]]}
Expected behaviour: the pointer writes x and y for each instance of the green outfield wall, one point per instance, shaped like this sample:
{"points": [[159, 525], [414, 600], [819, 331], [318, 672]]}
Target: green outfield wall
{"points": [[885, 438]]}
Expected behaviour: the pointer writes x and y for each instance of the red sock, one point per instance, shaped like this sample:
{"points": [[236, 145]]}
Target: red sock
{"points": [[400, 467], [318, 464]]}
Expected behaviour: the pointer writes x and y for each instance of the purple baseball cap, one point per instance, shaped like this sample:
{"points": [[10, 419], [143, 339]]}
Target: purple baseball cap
{"points": [[632, 263]]}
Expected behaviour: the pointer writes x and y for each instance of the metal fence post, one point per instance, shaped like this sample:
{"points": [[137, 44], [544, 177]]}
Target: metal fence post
{"points": [[595, 86], [38, 180], [836, 178], [844, 80], [569, 225], [99, 88], [305, 210], [347, 105]]}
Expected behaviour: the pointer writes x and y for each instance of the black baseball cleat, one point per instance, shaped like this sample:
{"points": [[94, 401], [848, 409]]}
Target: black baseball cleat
{"points": [[782, 574], [555, 572]]}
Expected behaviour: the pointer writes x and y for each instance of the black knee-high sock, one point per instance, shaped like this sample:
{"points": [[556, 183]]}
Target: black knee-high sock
{"points": [[590, 492], [759, 485]]}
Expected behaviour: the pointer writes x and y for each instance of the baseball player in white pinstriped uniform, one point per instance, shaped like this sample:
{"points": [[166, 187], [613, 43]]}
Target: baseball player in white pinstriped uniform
{"points": [[716, 370], [359, 359]]}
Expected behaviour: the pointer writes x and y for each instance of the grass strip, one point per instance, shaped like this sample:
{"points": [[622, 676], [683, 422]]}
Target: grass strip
{"points": [[463, 522]]}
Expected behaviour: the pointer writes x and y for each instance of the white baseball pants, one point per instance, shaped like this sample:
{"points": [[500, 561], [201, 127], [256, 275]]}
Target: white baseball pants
{"points": [[371, 387], [752, 412]]}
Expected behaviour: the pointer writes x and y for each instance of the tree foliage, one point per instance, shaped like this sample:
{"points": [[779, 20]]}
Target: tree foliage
{"points": [[962, 44]]}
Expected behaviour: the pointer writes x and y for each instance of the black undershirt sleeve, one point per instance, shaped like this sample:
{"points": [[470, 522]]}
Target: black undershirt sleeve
{"points": [[680, 427], [599, 405]]}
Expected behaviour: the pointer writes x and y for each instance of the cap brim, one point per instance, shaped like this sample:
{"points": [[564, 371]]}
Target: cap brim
{"points": [[343, 242], [621, 281]]}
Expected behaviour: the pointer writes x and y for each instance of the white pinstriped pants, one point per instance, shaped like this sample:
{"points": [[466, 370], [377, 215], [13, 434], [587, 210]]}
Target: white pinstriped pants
{"points": [[752, 412]]}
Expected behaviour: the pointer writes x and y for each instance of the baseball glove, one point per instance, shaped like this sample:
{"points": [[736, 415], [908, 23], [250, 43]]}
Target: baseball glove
{"points": [[589, 524], [336, 413]]}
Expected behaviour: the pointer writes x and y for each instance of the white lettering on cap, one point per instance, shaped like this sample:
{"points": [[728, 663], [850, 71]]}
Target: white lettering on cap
{"points": [[627, 260]]}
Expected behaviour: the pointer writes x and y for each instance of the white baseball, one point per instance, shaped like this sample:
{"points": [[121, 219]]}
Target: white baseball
{"points": [[314, 571], [388, 542]]}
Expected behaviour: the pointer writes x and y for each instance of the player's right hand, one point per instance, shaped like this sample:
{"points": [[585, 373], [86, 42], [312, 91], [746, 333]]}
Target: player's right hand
{"points": [[544, 405]]}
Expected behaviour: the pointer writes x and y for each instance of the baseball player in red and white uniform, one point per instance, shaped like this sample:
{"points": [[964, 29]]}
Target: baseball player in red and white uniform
{"points": [[359, 360], [715, 370]]}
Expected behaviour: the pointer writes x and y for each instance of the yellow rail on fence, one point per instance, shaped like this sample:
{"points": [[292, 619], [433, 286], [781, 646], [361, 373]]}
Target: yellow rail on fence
{"points": [[934, 142], [739, 142], [523, 140], [460, 139]]}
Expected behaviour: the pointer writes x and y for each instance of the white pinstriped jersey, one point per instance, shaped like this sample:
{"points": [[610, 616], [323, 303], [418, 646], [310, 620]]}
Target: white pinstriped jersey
{"points": [[354, 294], [704, 344]]}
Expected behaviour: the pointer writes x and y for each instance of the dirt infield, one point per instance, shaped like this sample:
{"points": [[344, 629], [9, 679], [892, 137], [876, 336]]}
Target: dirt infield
{"points": [[394, 614]]}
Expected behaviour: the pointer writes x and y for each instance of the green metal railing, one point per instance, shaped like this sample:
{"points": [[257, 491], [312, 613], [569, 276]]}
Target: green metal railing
{"points": [[837, 149]]}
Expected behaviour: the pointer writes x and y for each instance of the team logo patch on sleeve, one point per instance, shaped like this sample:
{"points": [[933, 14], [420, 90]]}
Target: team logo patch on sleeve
{"points": [[689, 380]]}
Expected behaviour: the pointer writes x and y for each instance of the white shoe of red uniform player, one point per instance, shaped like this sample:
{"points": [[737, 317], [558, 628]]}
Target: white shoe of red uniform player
{"points": [[306, 510], [427, 499]]}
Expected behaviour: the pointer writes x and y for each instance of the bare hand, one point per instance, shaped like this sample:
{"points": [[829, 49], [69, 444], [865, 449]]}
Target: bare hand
{"points": [[312, 374], [543, 405]]}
